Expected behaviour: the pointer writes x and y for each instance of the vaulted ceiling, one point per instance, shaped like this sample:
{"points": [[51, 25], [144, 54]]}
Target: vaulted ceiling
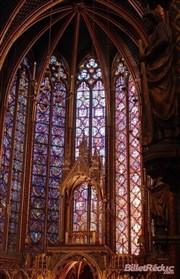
{"points": [[72, 28]]}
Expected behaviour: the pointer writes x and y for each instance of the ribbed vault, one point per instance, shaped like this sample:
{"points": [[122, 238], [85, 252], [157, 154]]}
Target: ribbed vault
{"points": [[73, 28]]}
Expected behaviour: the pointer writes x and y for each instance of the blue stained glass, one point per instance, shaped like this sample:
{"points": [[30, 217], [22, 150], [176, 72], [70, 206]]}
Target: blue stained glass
{"points": [[58, 131], [55, 171], [42, 128], [48, 149], [56, 150], [54, 193], [90, 72], [39, 191], [16, 114], [54, 183], [37, 213], [35, 236]]}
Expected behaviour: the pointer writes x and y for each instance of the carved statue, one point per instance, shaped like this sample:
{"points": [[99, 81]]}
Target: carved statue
{"points": [[160, 101], [159, 208]]}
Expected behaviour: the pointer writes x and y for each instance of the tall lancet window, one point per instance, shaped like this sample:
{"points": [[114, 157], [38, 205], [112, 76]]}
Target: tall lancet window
{"points": [[48, 154], [128, 163], [90, 122], [13, 160], [85, 208], [87, 214], [90, 107]]}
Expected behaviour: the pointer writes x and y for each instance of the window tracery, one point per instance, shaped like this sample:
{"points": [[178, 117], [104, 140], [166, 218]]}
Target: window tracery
{"points": [[128, 162], [90, 107], [13, 157], [48, 155], [87, 211]]}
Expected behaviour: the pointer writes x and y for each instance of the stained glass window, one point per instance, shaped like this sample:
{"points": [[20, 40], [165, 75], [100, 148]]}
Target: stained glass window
{"points": [[128, 163], [90, 107], [90, 121], [11, 176], [87, 210], [80, 208], [48, 154]]}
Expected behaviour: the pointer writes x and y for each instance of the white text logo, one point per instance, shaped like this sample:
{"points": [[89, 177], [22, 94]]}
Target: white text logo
{"points": [[150, 267]]}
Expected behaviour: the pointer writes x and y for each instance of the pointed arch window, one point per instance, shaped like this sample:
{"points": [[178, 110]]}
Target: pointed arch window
{"points": [[13, 159], [90, 122], [87, 212], [48, 155], [90, 107], [128, 162]]}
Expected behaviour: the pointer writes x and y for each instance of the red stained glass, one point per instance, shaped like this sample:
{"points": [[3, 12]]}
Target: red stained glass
{"points": [[87, 209], [128, 165]]}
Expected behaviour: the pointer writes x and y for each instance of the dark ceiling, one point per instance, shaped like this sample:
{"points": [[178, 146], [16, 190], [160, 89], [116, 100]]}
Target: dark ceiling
{"points": [[72, 28]]}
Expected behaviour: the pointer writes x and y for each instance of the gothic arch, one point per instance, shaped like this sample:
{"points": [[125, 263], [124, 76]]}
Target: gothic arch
{"points": [[75, 178], [69, 260], [21, 274]]}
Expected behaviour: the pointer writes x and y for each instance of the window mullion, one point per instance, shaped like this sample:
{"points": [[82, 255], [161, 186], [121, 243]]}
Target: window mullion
{"points": [[126, 78], [90, 121], [48, 169], [27, 90]]}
